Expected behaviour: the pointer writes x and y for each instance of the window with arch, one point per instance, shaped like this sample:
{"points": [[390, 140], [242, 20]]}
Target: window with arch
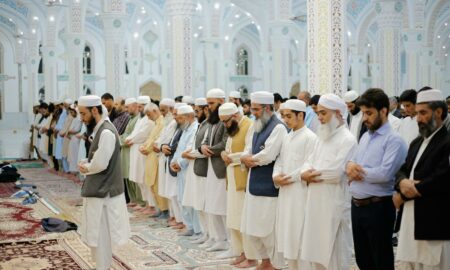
{"points": [[87, 60], [126, 64], [41, 62], [242, 62], [369, 62], [41, 94], [87, 90], [244, 92]]}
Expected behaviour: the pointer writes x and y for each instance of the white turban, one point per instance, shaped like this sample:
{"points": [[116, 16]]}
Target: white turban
{"points": [[282, 106], [178, 105], [235, 94], [350, 96], [335, 103], [228, 109], [188, 100], [262, 97], [215, 93], [89, 101], [167, 102], [295, 105], [143, 99], [68, 101], [185, 109], [130, 100], [201, 102], [429, 96]]}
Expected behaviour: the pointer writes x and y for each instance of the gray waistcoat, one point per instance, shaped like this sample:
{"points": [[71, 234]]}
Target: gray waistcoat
{"points": [[110, 180]]}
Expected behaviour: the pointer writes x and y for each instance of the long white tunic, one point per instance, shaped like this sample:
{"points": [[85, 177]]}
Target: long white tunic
{"points": [[82, 147], [74, 145], [296, 148], [395, 122], [356, 123], [259, 212], [115, 207], [327, 214], [164, 138], [45, 140], [409, 130], [137, 160]]}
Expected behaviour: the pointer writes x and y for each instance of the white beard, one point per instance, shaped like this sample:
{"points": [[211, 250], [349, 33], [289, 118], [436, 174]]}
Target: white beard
{"points": [[326, 130], [260, 123]]}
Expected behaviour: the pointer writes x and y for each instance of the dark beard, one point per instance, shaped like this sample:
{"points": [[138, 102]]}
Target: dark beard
{"points": [[376, 125], [355, 111], [201, 118], [426, 129], [90, 126], [142, 114], [233, 129], [214, 117]]}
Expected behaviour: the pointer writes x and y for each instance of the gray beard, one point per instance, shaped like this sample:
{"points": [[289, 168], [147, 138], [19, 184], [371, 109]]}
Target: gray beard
{"points": [[261, 122], [426, 130], [326, 130]]}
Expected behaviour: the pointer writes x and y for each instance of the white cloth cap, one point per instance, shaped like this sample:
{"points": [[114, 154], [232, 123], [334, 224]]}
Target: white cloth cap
{"points": [[89, 101], [282, 106], [335, 103], [167, 102], [295, 105], [235, 94], [351, 96], [37, 104], [143, 99], [68, 101], [185, 109], [262, 97], [130, 100], [178, 105], [72, 106], [228, 109], [201, 101], [188, 100], [429, 96], [215, 93]]}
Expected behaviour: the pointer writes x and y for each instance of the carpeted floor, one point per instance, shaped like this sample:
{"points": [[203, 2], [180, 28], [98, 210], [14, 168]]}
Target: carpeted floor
{"points": [[7, 189]]}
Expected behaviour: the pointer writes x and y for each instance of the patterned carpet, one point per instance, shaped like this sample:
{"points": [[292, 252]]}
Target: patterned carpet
{"points": [[7, 189]]}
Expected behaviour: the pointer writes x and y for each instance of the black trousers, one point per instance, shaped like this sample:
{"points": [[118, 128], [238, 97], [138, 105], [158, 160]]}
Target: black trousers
{"points": [[372, 227]]}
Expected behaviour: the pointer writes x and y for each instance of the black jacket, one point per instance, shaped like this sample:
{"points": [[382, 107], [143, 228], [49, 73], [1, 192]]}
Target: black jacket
{"points": [[433, 170]]}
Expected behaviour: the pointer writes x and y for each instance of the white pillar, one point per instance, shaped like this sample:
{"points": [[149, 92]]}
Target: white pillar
{"points": [[280, 57], [412, 40], [75, 49], [50, 73], [327, 70]]}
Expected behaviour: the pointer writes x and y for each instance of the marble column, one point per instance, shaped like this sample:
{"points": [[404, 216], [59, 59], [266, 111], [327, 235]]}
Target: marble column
{"points": [[19, 58], [389, 17], [75, 49], [358, 71], [180, 13], [214, 76], [327, 70], [412, 40], [280, 57], [50, 73]]}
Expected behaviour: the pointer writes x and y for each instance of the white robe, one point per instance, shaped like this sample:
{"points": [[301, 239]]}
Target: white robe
{"points": [[82, 147], [327, 238], [409, 130], [45, 140], [74, 145], [395, 122], [137, 160], [259, 212], [297, 146], [164, 138], [356, 124]]}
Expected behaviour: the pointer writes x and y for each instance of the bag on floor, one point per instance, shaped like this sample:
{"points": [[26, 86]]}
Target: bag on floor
{"points": [[57, 225]]}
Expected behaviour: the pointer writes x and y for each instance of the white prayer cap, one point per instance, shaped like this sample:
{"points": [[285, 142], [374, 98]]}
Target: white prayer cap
{"points": [[89, 101], [178, 105], [351, 96], [130, 100], [167, 102], [333, 102], [143, 99], [228, 109], [185, 109], [262, 97], [188, 100], [36, 104], [72, 106], [282, 106], [295, 105], [429, 96], [68, 101], [201, 102], [215, 93], [235, 94]]}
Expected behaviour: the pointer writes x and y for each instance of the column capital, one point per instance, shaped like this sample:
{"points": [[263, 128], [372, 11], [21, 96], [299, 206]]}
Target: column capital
{"points": [[390, 13], [181, 7], [413, 39]]}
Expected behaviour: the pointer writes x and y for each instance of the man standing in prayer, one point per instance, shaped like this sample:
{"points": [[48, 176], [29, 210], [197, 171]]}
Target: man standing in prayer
{"points": [[290, 213], [140, 133], [188, 124], [423, 186], [216, 194], [260, 203], [64, 132], [60, 124], [327, 239], [122, 118], [151, 160], [105, 221], [237, 127], [409, 130], [311, 117], [354, 119], [235, 97], [132, 108], [74, 142], [108, 102], [371, 172]]}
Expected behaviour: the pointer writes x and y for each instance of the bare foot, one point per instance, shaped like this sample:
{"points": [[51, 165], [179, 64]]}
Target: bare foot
{"points": [[265, 265], [247, 264], [238, 260]]}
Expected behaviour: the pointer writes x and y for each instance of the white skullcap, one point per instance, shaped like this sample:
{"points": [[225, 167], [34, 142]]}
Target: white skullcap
{"points": [[89, 101], [167, 102], [429, 96], [295, 105], [185, 109], [188, 100], [72, 106], [37, 104], [351, 96], [262, 97], [130, 100], [178, 105], [282, 106], [235, 94], [215, 93], [228, 109], [68, 101], [335, 103], [201, 102], [143, 99]]}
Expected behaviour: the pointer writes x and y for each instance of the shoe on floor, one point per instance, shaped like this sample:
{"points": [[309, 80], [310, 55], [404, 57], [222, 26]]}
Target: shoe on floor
{"points": [[229, 253], [186, 233], [219, 246], [208, 243], [200, 240]]}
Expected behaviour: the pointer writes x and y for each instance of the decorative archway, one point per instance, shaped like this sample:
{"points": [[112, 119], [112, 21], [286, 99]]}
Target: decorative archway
{"points": [[151, 89]]}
